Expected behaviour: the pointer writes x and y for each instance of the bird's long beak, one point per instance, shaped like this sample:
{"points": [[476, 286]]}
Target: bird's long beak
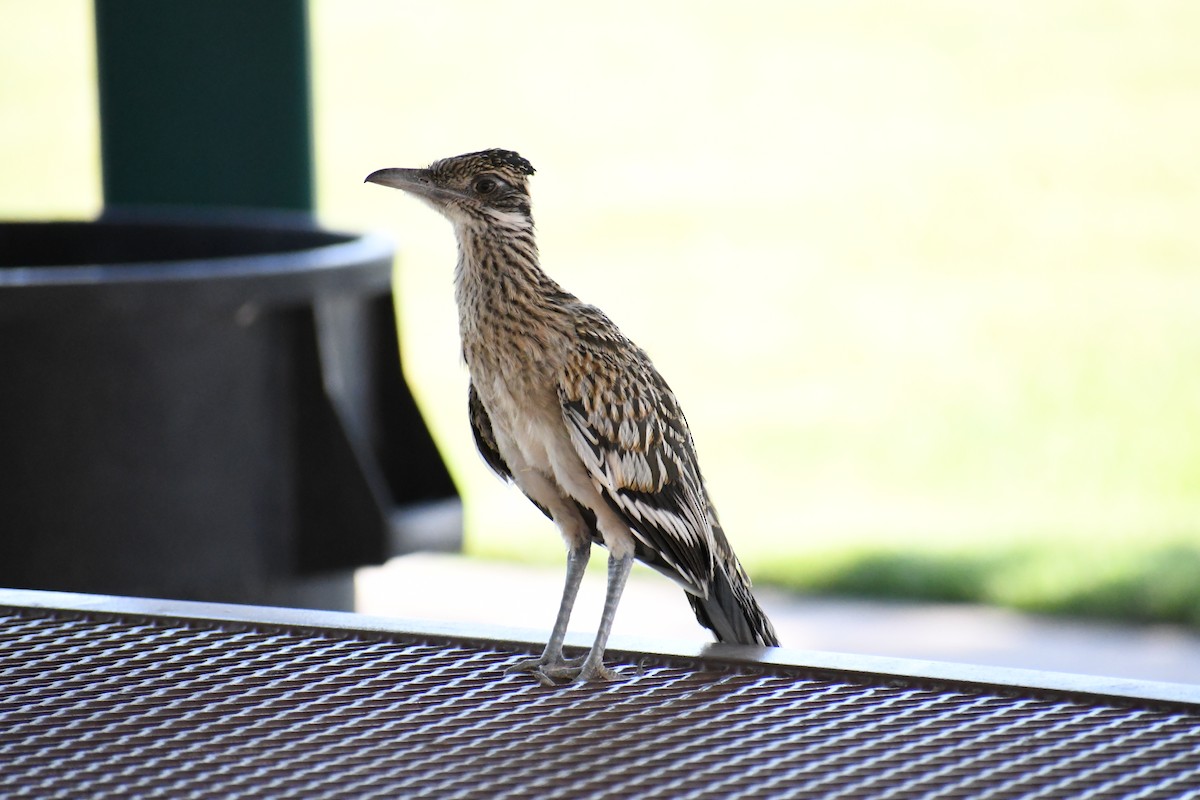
{"points": [[415, 181], [407, 179]]}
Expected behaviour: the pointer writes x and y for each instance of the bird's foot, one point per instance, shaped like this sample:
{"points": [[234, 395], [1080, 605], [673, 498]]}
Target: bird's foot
{"points": [[594, 672], [556, 672], [549, 670]]}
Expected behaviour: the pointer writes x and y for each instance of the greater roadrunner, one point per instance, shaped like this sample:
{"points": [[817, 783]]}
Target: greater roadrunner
{"points": [[574, 413]]}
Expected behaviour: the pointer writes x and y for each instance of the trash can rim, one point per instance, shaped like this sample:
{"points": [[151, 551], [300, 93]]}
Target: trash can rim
{"points": [[341, 249]]}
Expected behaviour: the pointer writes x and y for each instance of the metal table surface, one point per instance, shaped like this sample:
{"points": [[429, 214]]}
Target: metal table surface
{"points": [[119, 697]]}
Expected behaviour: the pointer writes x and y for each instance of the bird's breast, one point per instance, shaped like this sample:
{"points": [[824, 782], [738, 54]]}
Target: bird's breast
{"points": [[516, 344], [527, 422], [514, 397]]}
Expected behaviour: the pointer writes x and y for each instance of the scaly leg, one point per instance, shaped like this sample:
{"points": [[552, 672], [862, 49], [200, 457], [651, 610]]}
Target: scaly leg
{"points": [[551, 661], [593, 668]]}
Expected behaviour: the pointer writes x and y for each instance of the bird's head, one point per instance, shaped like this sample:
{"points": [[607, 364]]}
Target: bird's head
{"points": [[489, 188]]}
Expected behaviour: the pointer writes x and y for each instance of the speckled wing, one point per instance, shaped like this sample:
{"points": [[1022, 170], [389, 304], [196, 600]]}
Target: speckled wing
{"points": [[627, 427]]}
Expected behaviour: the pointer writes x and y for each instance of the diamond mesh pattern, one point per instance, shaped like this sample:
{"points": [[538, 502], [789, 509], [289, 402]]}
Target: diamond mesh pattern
{"points": [[108, 706]]}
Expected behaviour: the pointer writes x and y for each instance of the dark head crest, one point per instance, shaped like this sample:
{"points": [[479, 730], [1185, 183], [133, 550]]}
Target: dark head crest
{"points": [[507, 159], [503, 161]]}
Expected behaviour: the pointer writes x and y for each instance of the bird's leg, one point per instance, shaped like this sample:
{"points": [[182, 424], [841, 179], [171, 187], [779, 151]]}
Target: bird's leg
{"points": [[593, 665], [577, 561], [551, 661]]}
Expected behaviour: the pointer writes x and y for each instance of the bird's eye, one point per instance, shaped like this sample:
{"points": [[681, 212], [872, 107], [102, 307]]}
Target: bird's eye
{"points": [[485, 186]]}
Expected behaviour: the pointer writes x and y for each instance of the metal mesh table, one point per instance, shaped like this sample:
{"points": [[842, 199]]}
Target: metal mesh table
{"points": [[115, 697]]}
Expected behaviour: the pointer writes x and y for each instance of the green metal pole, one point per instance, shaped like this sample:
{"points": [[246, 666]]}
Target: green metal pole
{"points": [[205, 103]]}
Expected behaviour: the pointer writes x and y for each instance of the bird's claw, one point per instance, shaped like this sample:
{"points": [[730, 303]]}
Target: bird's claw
{"points": [[544, 668], [595, 673], [559, 671], [543, 663]]}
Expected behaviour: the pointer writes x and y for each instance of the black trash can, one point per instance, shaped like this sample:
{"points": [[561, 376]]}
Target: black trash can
{"points": [[207, 407]]}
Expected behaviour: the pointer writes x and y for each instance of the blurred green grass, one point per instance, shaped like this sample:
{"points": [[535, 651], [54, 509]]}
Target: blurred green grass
{"points": [[926, 277]]}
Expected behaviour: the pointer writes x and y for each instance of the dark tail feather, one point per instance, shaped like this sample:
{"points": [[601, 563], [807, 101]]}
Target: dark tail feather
{"points": [[732, 613]]}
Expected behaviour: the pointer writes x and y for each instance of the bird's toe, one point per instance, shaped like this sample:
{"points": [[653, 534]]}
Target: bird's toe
{"points": [[581, 671], [548, 671], [595, 673]]}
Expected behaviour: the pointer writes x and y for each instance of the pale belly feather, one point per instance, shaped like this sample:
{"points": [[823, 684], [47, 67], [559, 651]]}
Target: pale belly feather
{"points": [[532, 438]]}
